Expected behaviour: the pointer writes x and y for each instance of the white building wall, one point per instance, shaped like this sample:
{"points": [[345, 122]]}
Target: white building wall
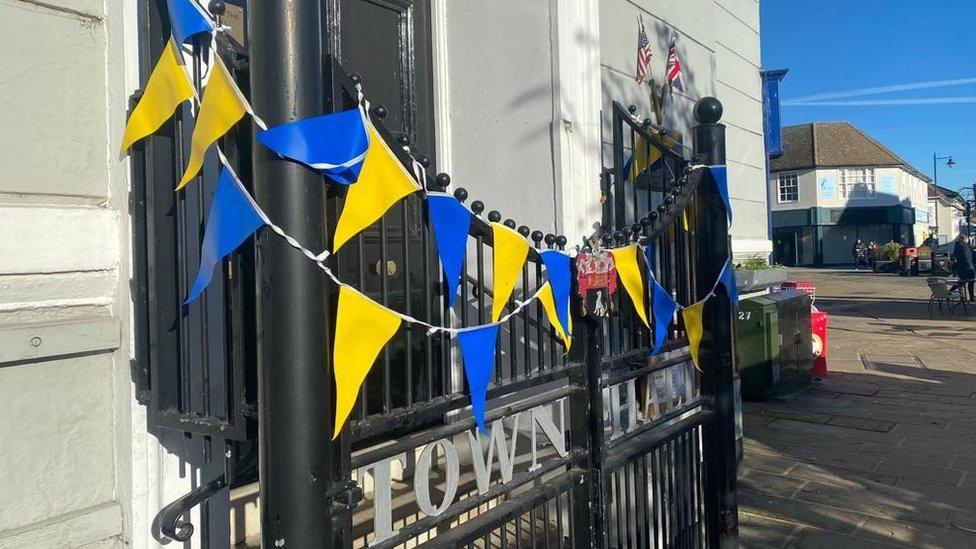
{"points": [[719, 49], [79, 468]]}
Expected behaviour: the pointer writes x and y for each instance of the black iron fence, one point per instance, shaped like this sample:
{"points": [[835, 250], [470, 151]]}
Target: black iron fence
{"points": [[603, 446]]}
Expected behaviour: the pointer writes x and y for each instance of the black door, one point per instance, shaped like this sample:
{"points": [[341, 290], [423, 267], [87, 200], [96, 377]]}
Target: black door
{"points": [[388, 43]]}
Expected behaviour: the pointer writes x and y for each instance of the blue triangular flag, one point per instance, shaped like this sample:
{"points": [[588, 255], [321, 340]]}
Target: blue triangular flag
{"points": [[627, 166], [558, 270], [649, 257], [721, 178], [233, 217], [727, 279], [332, 144], [450, 221], [478, 351], [663, 307], [187, 19]]}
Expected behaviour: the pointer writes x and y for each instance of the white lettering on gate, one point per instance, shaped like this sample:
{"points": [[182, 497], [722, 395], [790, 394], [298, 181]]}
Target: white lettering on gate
{"points": [[421, 482], [506, 453], [382, 496], [540, 417], [556, 436]]}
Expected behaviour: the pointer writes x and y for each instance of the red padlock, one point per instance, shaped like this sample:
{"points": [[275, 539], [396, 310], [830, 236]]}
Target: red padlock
{"points": [[818, 324]]}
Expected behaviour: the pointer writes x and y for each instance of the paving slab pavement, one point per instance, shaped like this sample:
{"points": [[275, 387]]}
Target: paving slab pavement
{"points": [[881, 452]]}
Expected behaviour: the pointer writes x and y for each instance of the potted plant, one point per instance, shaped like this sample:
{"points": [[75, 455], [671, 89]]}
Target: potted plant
{"points": [[886, 258], [756, 273]]}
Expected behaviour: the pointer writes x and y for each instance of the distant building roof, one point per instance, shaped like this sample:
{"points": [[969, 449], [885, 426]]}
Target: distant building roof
{"points": [[834, 145]]}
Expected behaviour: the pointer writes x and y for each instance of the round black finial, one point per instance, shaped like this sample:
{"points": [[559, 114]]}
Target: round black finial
{"points": [[668, 199], [550, 239], [651, 217], [461, 194], [626, 230], [561, 241], [586, 249], [424, 160], [675, 191], [635, 228], [645, 222], [661, 209], [708, 110], [510, 223], [606, 238], [380, 111], [356, 79], [537, 237], [478, 207], [524, 230], [403, 139], [494, 216], [442, 180], [217, 7], [632, 109], [647, 122]]}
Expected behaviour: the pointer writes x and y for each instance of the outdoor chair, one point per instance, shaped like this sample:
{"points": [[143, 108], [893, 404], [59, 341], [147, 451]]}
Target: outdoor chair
{"points": [[945, 295]]}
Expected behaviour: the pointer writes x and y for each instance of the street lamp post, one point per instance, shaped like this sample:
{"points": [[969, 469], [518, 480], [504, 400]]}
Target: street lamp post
{"points": [[935, 179]]}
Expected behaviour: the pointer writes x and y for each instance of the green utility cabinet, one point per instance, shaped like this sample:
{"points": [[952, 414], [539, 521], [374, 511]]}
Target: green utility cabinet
{"points": [[773, 340]]}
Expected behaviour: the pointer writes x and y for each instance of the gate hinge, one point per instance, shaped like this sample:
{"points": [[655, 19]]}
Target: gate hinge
{"points": [[344, 496]]}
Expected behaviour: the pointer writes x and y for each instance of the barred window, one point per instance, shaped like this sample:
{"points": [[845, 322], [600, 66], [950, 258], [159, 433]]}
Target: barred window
{"points": [[788, 188]]}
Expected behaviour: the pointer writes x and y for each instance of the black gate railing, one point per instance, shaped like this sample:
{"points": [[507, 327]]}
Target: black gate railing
{"points": [[604, 446]]}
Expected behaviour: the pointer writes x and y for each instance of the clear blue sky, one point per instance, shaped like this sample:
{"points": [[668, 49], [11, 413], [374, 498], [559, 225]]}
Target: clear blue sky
{"points": [[836, 46]]}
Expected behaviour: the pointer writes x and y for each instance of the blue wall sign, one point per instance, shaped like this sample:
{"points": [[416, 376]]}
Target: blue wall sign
{"points": [[827, 188], [771, 117], [888, 185]]}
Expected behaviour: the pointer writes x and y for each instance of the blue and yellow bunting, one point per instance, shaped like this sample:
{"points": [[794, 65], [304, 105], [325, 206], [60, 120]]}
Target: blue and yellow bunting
{"points": [[168, 86], [663, 307], [693, 316], [509, 251], [628, 270], [727, 279], [559, 272], [478, 351], [450, 221], [188, 19], [334, 144], [720, 177], [232, 219]]}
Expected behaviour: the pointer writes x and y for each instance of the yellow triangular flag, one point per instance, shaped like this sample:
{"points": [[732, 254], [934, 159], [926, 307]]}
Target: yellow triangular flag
{"points": [[382, 183], [693, 325], [509, 251], [549, 306], [628, 270], [684, 220], [168, 86], [362, 329], [645, 155], [223, 106]]}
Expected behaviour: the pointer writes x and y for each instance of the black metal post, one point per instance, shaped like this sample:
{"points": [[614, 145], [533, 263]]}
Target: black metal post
{"points": [[716, 355], [295, 400]]}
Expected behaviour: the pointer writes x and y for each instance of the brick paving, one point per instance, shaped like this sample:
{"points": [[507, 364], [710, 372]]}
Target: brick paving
{"points": [[882, 452]]}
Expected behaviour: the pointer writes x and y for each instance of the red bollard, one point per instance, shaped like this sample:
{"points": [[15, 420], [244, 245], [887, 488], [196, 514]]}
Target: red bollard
{"points": [[818, 324]]}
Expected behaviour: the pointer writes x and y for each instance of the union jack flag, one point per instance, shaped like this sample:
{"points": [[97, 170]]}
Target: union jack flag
{"points": [[644, 53], [674, 69]]}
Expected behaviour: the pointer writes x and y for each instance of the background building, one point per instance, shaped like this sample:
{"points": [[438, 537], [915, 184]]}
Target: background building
{"points": [[946, 213], [507, 96], [833, 185]]}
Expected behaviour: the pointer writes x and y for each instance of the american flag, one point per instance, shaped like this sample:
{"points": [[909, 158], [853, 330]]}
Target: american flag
{"points": [[674, 69], [644, 53]]}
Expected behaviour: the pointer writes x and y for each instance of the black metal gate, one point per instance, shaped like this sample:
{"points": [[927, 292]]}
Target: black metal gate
{"points": [[604, 446]]}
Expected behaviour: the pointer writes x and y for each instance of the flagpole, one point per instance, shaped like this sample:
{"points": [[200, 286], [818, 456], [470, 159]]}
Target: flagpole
{"points": [[295, 401]]}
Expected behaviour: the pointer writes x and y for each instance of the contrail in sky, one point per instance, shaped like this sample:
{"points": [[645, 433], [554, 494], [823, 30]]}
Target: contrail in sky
{"points": [[882, 89], [878, 102]]}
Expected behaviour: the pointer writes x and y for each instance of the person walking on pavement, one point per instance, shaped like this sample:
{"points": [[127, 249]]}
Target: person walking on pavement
{"points": [[859, 252], [872, 254], [962, 254]]}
